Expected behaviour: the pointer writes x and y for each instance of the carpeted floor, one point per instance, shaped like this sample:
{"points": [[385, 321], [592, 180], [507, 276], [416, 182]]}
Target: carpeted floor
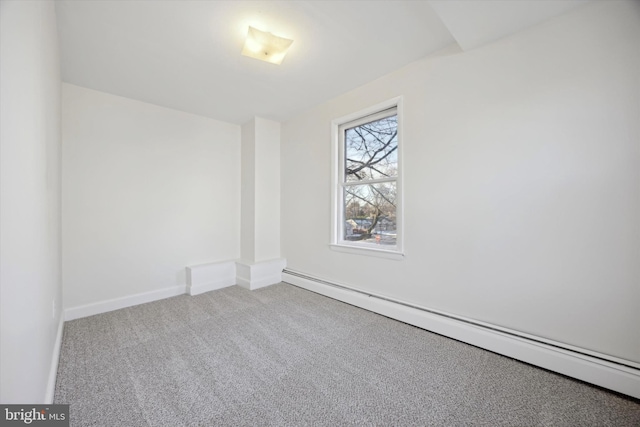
{"points": [[284, 356]]}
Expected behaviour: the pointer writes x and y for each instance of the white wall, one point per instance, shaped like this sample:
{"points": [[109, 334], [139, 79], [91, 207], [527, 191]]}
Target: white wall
{"points": [[147, 191], [522, 183], [30, 283], [260, 191], [267, 195], [248, 188]]}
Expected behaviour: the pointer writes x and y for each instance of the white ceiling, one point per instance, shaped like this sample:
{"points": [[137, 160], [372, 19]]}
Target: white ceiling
{"points": [[474, 23], [186, 54]]}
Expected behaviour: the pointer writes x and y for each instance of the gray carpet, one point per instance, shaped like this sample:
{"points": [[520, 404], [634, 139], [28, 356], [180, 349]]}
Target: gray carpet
{"points": [[284, 356]]}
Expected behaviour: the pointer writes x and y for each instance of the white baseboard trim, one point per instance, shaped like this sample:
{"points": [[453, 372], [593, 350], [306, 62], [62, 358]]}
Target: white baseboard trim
{"points": [[605, 371], [122, 302], [257, 284], [200, 278], [53, 369], [260, 274], [209, 277]]}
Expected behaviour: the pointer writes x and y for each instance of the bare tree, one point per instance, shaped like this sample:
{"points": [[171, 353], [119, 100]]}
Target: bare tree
{"points": [[379, 200], [371, 166]]}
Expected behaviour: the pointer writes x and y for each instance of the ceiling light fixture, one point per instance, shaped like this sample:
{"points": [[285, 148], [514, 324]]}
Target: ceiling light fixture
{"points": [[265, 46]]}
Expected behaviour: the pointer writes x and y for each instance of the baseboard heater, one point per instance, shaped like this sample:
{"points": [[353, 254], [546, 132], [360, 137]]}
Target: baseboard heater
{"points": [[613, 373]]}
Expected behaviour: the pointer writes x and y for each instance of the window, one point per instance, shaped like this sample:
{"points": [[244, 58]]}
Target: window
{"points": [[367, 208]]}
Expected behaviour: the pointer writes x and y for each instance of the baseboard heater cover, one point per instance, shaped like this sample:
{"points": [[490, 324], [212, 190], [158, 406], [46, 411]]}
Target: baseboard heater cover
{"points": [[616, 374]]}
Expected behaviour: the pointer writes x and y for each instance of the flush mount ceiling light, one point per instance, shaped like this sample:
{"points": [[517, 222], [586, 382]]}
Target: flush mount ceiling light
{"points": [[265, 46]]}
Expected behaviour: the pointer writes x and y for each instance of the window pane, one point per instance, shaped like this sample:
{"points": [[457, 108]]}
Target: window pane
{"points": [[371, 150], [370, 213]]}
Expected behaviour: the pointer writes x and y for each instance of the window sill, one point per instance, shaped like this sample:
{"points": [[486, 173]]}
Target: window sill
{"points": [[367, 251]]}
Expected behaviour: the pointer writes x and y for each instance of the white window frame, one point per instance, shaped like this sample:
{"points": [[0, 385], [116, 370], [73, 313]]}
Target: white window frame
{"points": [[337, 241]]}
